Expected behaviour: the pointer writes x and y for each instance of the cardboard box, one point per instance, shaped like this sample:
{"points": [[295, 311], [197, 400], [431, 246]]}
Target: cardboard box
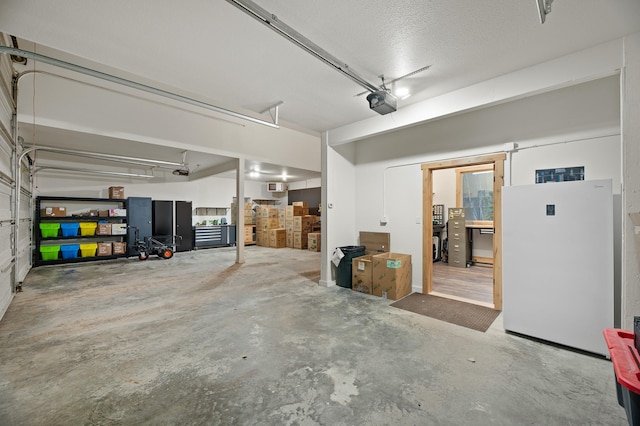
{"points": [[362, 274], [262, 238], [249, 236], [117, 212], [291, 211], [265, 224], [53, 212], [116, 192], [119, 248], [314, 241], [103, 229], [103, 213], [391, 275], [267, 212], [300, 240], [303, 223], [375, 242], [104, 249], [303, 204], [118, 229], [289, 225], [277, 238], [290, 239]]}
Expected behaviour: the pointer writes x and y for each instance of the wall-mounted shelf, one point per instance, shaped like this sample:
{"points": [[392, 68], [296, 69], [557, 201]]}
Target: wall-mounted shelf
{"points": [[211, 211], [267, 202]]}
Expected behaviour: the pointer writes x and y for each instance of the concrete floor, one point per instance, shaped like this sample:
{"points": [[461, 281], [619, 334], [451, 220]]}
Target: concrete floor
{"points": [[198, 340]]}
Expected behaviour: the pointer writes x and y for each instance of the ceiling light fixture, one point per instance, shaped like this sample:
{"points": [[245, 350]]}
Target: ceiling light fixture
{"points": [[544, 8], [254, 174], [402, 93]]}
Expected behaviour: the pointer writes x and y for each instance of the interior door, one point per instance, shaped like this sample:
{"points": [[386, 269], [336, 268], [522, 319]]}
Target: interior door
{"points": [[184, 228]]}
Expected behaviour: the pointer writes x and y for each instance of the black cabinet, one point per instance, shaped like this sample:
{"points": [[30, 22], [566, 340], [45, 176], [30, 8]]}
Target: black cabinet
{"points": [[139, 214], [162, 221], [184, 223], [73, 229]]}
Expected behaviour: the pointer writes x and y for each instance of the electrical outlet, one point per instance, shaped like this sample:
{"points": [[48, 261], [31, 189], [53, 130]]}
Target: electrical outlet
{"points": [[383, 220]]}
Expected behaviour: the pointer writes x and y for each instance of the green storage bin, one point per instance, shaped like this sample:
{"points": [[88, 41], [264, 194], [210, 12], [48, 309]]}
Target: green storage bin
{"points": [[49, 252], [49, 230]]}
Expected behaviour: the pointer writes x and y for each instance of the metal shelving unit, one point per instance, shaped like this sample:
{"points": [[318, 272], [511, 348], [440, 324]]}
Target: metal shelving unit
{"points": [[44, 201]]}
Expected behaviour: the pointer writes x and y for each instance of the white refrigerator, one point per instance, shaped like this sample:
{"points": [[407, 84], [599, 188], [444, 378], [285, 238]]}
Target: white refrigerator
{"points": [[557, 245]]}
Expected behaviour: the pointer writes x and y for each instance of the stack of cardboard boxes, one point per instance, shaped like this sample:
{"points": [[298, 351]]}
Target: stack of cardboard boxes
{"points": [[386, 275], [249, 214], [266, 220]]}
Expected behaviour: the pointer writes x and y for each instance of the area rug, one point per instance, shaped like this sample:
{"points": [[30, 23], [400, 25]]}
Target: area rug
{"points": [[453, 311]]}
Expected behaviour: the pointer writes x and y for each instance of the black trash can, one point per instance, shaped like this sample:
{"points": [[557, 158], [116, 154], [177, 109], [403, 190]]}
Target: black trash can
{"points": [[343, 273]]}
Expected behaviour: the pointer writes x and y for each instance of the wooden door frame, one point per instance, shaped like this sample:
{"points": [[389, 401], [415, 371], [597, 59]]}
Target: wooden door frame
{"points": [[427, 213]]}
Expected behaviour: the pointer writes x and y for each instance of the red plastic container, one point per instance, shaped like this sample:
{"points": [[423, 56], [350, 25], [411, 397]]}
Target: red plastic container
{"points": [[625, 359]]}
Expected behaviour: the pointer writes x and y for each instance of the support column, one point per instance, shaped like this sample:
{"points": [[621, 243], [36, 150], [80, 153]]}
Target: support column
{"points": [[630, 130], [240, 211]]}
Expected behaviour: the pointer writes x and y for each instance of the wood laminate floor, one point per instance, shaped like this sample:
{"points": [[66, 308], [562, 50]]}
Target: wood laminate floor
{"points": [[474, 283]]}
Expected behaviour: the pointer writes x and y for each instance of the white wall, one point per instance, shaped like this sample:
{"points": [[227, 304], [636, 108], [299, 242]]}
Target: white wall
{"points": [[584, 111], [338, 205], [205, 192]]}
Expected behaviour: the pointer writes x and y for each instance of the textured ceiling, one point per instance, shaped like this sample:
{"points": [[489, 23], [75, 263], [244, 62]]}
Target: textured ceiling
{"points": [[212, 50]]}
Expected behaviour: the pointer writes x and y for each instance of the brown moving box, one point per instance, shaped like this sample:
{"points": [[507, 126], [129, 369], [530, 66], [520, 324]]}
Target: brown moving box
{"points": [[104, 249], [103, 229], [116, 192], [391, 275], [303, 204], [277, 238], [314, 239], [290, 239], [362, 274], [119, 248], [53, 211], [291, 211], [303, 223], [262, 238], [300, 240], [375, 242]]}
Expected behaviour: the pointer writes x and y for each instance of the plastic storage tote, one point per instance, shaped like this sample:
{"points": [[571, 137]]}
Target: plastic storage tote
{"points": [[88, 250], [624, 357], [49, 252], [69, 229], [88, 228], [343, 275], [70, 251], [49, 230]]}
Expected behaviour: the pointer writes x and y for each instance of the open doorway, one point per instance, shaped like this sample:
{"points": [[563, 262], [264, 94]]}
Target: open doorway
{"points": [[465, 276]]}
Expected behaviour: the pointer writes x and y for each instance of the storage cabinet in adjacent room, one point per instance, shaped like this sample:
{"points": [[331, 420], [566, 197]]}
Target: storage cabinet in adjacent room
{"points": [[459, 239], [71, 229]]}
